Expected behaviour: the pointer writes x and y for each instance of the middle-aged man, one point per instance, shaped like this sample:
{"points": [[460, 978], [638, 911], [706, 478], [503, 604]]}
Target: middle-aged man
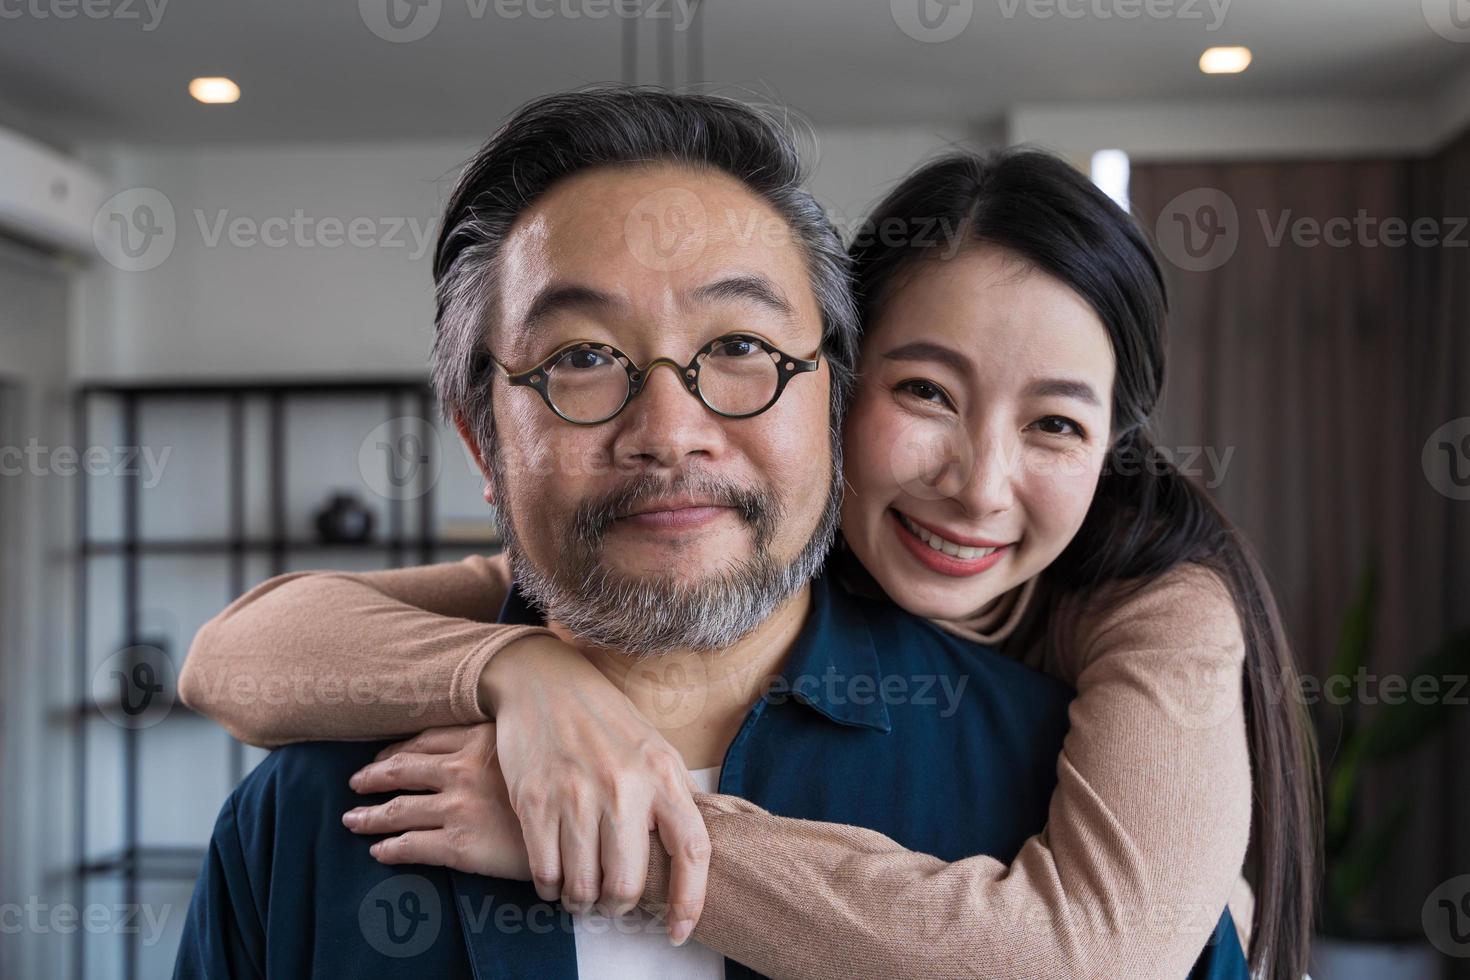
{"points": [[650, 513]]}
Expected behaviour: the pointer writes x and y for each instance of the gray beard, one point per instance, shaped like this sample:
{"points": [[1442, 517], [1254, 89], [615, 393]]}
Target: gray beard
{"points": [[648, 616]]}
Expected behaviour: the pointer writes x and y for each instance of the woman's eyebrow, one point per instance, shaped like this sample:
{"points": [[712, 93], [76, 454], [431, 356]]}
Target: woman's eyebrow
{"points": [[924, 350], [1064, 388]]}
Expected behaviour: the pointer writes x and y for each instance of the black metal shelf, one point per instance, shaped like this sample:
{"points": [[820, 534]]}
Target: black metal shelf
{"points": [[150, 862], [401, 543]]}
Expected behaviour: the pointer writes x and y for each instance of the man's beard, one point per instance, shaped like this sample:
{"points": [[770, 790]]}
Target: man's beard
{"points": [[651, 615]]}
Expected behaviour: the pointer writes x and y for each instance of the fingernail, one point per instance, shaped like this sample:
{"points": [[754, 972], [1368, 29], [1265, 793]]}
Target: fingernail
{"points": [[679, 932], [354, 779], [351, 817]]}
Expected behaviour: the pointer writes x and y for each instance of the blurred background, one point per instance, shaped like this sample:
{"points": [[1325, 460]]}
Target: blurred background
{"points": [[216, 222]]}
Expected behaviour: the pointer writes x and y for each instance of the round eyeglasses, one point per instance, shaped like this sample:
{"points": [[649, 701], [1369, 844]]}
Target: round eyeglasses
{"points": [[736, 376]]}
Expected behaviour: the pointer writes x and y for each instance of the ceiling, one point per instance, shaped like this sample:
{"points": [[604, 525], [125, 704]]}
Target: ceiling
{"points": [[341, 70]]}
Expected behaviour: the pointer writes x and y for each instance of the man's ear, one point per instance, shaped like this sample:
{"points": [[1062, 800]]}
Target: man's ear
{"points": [[481, 461]]}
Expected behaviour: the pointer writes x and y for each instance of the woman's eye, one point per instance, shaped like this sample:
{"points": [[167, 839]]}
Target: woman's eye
{"points": [[925, 391], [1056, 425]]}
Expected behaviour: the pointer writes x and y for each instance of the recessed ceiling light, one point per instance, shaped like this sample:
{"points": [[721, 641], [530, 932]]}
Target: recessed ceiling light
{"points": [[1225, 61], [214, 91]]}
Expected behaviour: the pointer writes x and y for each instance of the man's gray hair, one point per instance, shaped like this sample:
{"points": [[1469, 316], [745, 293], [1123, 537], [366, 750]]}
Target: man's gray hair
{"points": [[556, 136]]}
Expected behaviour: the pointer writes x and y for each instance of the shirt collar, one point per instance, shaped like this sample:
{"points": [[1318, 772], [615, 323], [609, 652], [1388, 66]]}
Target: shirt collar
{"points": [[834, 648]]}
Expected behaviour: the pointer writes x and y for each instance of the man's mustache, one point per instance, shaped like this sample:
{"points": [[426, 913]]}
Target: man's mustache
{"points": [[755, 507]]}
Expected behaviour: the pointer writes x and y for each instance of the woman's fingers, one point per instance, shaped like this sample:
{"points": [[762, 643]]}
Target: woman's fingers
{"points": [[431, 741], [684, 836], [581, 866], [398, 814], [406, 770], [624, 840], [542, 833]]}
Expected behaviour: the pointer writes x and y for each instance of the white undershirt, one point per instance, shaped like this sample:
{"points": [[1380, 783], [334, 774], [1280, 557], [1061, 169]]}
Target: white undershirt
{"points": [[636, 946]]}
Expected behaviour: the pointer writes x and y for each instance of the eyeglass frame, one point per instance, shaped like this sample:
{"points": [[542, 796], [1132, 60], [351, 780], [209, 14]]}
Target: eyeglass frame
{"points": [[537, 378]]}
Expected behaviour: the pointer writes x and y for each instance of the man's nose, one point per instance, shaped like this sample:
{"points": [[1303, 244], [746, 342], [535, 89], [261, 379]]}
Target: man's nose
{"points": [[666, 423]]}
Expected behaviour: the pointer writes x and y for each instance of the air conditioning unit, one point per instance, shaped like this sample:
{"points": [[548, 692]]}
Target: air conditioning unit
{"points": [[45, 197]]}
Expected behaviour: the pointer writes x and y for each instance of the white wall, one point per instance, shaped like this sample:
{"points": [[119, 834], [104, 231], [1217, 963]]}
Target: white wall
{"points": [[281, 303], [35, 639]]}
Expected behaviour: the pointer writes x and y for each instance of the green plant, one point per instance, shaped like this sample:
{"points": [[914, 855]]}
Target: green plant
{"points": [[1355, 850]]}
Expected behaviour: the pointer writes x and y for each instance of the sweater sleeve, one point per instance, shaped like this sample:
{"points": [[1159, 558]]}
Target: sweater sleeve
{"points": [[339, 655], [1143, 847]]}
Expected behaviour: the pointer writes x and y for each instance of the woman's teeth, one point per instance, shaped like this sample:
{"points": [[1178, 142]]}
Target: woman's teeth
{"points": [[941, 544]]}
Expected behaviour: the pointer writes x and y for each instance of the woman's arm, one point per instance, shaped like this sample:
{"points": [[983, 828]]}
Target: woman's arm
{"points": [[337, 655], [1146, 831], [1144, 843], [340, 655]]}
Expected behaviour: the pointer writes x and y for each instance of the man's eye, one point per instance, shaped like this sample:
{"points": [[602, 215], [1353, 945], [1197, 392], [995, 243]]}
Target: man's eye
{"points": [[736, 348], [1057, 425], [583, 359], [925, 391]]}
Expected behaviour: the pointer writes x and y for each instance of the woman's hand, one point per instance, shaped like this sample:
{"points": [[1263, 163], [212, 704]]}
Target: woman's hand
{"points": [[589, 777], [465, 822]]}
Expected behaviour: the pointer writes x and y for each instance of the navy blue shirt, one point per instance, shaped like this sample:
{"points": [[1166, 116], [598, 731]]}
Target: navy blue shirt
{"points": [[880, 719]]}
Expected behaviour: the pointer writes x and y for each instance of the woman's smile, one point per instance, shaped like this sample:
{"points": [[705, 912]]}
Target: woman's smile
{"points": [[943, 554]]}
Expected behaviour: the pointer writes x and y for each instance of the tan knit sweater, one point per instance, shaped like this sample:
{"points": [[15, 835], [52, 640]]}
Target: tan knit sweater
{"points": [[1143, 847]]}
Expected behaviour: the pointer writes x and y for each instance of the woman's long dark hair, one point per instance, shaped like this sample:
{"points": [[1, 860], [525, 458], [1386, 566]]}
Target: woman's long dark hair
{"points": [[1146, 516]]}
